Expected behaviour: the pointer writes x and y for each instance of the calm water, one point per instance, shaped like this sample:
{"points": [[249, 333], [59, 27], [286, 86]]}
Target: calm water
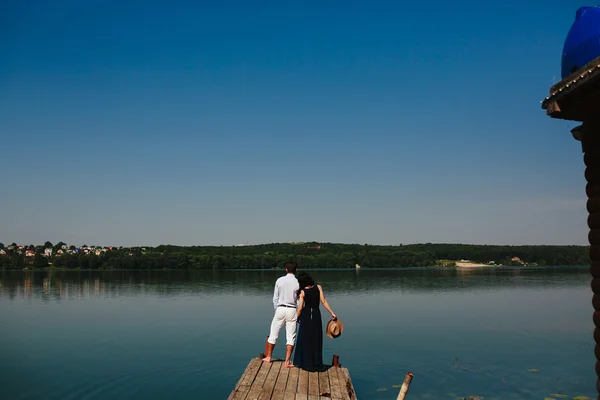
{"points": [[157, 335]]}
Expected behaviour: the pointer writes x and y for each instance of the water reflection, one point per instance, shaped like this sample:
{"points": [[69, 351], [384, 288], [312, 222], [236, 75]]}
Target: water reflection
{"points": [[174, 334], [67, 285]]}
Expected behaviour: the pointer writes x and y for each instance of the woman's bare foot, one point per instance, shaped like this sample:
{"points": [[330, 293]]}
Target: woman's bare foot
{"points": [[267, 359], [288, 364]]}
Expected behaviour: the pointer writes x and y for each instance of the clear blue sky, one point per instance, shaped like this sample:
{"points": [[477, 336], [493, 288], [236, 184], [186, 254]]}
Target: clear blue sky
{"points": [[383, 122]]}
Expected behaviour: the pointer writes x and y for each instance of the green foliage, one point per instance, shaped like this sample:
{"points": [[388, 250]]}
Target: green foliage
{"points": [[12, 261], [308, 255], [39, 261]]}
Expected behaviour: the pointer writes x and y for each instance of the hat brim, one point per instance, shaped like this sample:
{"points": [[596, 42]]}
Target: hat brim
{"points": [[328, 331]]}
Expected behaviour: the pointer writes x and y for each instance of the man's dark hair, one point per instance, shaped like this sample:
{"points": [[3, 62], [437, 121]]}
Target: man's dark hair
{"points": [[291, 267]]}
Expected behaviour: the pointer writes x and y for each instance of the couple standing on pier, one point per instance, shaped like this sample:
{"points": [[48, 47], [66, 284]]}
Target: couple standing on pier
{"points": [[296, 301]]}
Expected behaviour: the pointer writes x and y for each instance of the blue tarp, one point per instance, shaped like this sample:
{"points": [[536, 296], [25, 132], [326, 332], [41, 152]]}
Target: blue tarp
{"points": [[583, 41]]}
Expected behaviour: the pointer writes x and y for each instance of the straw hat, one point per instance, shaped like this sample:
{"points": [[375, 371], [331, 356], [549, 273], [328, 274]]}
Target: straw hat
{"points": [[334, 328]]}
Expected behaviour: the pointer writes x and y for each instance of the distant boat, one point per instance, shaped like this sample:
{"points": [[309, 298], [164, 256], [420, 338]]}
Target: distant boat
{"points": [[357, 266], [582, 44]]}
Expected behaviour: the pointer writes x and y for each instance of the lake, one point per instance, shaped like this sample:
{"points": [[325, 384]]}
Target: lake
{"points": [[497, 333]]}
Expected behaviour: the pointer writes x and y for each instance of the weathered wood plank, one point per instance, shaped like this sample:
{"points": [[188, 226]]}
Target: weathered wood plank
{"points": [[279, 390], [269, 385], [324, 387], [257, 385], [289, 396], [240, 393], [313, 383], [239, 382], [343, 388], [291, 385], [302, 383], [271, 381], [347, 383], [244, 384], [250, 365], [251, 372], [334, 382]]}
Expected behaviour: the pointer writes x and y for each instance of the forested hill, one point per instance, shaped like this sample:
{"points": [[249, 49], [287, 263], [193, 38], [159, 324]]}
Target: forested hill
{"points": [[308, 255], [334, 255]]}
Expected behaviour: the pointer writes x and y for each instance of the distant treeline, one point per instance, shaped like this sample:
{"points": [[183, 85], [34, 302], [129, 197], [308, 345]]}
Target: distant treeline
{"points": [[308, 255]]}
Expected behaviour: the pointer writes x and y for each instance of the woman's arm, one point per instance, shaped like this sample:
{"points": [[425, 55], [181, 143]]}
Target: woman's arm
{"points": [[300, 303], [324, 302]]}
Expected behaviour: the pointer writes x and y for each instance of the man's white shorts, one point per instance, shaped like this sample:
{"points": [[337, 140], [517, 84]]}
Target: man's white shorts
{"points": [[284, 315]]}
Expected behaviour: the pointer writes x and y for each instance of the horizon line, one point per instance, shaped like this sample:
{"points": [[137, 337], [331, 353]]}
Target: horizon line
{"points": [[307, 242]]}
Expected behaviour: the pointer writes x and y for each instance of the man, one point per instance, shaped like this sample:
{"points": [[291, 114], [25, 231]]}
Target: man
{"points": [[284, 301]]}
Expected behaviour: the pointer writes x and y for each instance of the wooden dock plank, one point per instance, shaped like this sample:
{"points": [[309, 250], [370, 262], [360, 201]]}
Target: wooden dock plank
{"points": [[289, 396], [302, 390], [342, 380], [279, 390], [239, 393], [292, 383], [248, 367], [313, 384], [271, 381], [243, 386], [291, 386], [269, 385], [251, 372], [324, 388], [334, 382], [347, 383], [239, 382], [257, 385]]}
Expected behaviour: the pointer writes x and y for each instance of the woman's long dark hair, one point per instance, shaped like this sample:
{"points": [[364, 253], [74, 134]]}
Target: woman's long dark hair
{"points": [[304, 280]]}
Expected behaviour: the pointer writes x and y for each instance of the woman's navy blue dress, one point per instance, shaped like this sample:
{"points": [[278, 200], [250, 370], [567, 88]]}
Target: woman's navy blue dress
{"points": [[309, 341]]}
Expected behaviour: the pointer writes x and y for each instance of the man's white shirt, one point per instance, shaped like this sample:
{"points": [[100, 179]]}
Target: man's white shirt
{"points": [[285, 293]]}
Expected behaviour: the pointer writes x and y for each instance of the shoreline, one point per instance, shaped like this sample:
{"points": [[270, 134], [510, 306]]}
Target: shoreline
{"points": [[472, 265], [466, 266]]}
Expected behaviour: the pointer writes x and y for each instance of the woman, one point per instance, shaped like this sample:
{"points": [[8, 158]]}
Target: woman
{"points": [[309, 341]]}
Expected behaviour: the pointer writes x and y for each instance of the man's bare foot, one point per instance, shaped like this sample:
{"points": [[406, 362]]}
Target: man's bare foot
{"points": [[267, 359], [288, 364]]}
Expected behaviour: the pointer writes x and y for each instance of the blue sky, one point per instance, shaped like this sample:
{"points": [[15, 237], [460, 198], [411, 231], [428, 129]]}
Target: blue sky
{"points": [[376, 122]]}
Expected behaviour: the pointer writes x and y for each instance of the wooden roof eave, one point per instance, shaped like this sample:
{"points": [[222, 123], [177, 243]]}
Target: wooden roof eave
{"points": [[576, 97]]}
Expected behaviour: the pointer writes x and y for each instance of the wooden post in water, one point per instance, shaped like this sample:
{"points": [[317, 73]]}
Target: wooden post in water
{"points": [[335, 361], [405, 386], [577, 98], [263, 355]]}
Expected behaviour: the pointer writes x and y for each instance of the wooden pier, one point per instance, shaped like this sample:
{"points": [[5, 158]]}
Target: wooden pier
{"points": [[265, 381]]}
